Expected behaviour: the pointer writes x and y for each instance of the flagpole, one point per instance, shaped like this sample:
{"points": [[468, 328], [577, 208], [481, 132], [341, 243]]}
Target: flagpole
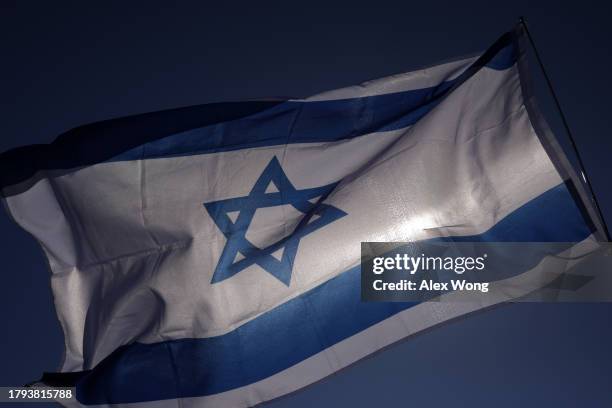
{"points": [[585, 176]]}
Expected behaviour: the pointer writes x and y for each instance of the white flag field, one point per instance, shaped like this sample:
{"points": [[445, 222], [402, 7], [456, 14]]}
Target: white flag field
{"points": [[210, 256]]}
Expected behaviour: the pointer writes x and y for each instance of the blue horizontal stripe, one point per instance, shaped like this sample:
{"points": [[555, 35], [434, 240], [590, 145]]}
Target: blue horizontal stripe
{"points": [[299, 122], [297, 329], [311, 122], [230, 126]]}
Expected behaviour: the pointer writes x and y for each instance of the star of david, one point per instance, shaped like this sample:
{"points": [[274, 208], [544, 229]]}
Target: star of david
{"points": [[239, 253]]}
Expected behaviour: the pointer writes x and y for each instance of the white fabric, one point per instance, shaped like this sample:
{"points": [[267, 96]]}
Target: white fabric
{"points": [[132, 239]]}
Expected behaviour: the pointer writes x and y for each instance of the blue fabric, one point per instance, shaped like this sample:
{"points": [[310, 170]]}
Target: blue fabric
{"points": [[229, 126], [310, 122], [296, 329]]}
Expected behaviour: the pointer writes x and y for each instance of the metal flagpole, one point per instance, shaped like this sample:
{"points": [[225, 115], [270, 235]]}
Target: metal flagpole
{"points": [[567, 129]]}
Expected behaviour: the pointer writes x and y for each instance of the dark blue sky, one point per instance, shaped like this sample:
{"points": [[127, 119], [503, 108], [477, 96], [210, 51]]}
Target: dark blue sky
{"points": [[70, 63]]}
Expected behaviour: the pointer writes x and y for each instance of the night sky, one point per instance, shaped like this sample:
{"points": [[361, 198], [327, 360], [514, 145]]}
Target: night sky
{"points": [[70, 63]]}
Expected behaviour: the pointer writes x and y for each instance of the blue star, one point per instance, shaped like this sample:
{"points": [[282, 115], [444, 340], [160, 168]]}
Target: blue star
{"points": [[235, 231]]}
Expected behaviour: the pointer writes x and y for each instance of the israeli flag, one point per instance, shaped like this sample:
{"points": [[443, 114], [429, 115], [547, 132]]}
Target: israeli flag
{"points": [[211, 254]]}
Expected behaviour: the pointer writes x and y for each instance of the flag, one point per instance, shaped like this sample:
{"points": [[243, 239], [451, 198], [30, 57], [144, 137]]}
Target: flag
{"points": [[211, 253]]}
